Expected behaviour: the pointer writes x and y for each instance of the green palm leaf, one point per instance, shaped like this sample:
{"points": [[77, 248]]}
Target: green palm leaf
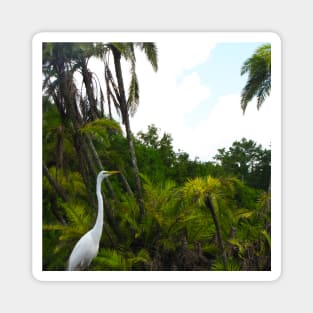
{"points": [[258, 68], [150, 50]]}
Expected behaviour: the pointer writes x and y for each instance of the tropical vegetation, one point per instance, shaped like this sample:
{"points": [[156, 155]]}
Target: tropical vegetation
{"points": [[164, 211], [258, 68]]}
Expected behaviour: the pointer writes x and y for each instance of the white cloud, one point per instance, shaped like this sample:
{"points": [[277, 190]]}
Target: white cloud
{"points": [[173, 93], [226, 123], [165, 100], [166, 103], [190, 93], [181, 54]]}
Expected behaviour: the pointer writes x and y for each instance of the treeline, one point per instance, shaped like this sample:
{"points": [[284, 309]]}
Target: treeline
{"points": [[163, 211], [245, 159]]}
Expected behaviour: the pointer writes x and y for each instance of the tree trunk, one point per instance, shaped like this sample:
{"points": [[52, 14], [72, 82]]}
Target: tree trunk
{"points": [[53, 183], [59, 192], [60, 148], [87, 78], [125, 118], [100, 165], [125, 183], [209, 204], [135, 168], [108, 98]]}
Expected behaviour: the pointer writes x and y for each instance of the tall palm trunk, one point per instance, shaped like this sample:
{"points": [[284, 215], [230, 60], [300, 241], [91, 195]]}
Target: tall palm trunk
{"points": [[87, 78], [125, 118], [209, 205]]}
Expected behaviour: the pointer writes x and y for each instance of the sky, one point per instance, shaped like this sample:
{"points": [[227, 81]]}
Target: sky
{"points": [[195, 96]]}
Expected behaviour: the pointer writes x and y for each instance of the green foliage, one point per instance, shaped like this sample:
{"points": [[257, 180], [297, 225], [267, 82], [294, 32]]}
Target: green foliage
{"points": [[101, 130], [72, 183], [65, 236], [231, 266], [178, 230], [110, 260], [258, 67], [176, 219], [247, 161], [151, 52], [158, 160], [243, 228]]}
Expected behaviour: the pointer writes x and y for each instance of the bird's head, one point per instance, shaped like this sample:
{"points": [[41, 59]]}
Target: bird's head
{"points": [[104, 174]]}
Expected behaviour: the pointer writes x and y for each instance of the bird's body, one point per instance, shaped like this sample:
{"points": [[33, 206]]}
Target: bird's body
{"points": [[84, 252], [87, 247]]}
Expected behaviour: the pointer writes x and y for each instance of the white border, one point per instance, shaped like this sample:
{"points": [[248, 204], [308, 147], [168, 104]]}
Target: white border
{"points": [[38, 39]]}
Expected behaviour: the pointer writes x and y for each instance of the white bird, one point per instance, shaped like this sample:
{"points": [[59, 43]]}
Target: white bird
{"points": [[87, 247]]}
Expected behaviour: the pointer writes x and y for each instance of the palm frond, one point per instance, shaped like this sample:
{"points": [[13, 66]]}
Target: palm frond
{"points": [[264, 90], [108, 260], [142, 257], [77, 216], [133, 92], [99, 128], [258, 67], [54, 227], [232, 265], [150, 50], [126, 49], [267, 236]]}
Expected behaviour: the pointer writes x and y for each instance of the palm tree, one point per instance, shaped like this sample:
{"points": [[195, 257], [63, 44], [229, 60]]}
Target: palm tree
{"points": [[206, 192], [128, 106], [60, 62], [258, 67]]}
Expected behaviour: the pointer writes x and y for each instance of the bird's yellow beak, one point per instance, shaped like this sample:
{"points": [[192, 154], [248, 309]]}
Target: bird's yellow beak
{"points": [[113, 172]]}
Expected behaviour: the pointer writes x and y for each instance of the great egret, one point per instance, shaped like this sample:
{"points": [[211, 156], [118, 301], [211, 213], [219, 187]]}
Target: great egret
{"points": [[87, 247]]}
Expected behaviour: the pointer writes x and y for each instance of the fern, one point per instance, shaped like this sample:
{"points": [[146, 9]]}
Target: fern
{"points": [[109, 260], [267, 236], [232, 265]]}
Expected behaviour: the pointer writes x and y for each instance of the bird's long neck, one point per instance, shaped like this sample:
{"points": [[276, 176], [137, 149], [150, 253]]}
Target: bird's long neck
{"points": [[97, 229]]}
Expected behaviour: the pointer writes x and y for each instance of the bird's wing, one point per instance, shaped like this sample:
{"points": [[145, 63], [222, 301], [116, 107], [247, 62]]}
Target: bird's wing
{"points": [[83, 253]]}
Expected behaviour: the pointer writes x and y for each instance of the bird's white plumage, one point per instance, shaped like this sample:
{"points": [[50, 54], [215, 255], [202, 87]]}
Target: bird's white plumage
{"points": [[88, 245], [83, 253]]}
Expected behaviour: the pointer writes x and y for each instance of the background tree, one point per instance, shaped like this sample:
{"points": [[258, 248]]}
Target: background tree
{"points": [[247, 161]]}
